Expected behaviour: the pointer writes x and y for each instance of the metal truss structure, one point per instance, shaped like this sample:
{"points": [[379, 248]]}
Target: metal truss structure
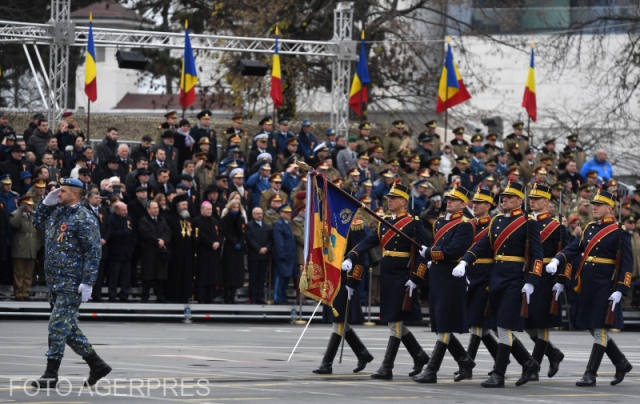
{"points": [[60, 33]]}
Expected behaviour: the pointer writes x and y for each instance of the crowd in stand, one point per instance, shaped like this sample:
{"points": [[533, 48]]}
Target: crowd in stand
{"points": [[191, 210]]}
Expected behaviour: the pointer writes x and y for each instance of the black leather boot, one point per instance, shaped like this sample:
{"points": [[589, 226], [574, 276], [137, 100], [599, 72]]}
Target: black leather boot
{"points": [[50, 377], [496, 378], [619, 361], [420, 357], [529, 365], [464, 359], [539, 349], [359, 349], [385, 372], [589, 377], [430, 374], [326, 367], [555, 356], [491, 344], [97, 368]]}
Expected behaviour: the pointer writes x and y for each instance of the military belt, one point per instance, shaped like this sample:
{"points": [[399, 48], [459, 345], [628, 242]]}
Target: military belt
{"points": [[397, 254], [484, 261], [598, 260], [547, 260], [509, 258]]}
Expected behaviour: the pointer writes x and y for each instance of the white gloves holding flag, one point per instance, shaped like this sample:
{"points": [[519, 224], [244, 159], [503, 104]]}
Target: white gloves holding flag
{"points": [[615, 298], [552, 266], [347, 264], [558, 288], [459, 270], [411, 286], [528, 290]]}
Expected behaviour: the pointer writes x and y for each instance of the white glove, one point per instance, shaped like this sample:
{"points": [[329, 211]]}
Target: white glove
{"points": [[552, 267], [615, 298], [459, 270], [85, 290], [423, 251], [411, 286], [347, 264], [528, 289], [558, 288], [429, 264], [349, 292], [52, 198]]}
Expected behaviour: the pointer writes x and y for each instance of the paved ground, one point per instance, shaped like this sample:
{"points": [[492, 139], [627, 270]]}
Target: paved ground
{"points": [[232, 363]]}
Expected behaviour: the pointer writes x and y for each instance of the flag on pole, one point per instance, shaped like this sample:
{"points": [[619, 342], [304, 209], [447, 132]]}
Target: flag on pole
{"points": [[189, 76], [529, 99], [276, 77], [328, 218], [451, 90], [361, 80], [90, 70]]}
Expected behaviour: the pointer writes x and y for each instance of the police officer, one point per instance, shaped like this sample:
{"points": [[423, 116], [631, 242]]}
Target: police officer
{"points": [[505, 242], [447, 288], [540, 319], [72, 258], [348, 294], [396, 257], [600, 242]]}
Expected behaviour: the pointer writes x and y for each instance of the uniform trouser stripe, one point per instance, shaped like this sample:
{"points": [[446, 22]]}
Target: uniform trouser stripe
{"points": [[505, 336], [444, 337], [398, 329], [340, 328]]}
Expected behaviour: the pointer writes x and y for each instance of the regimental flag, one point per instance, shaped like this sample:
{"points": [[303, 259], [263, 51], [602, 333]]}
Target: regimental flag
{"points": [[451, 90], [361, 80], [189, 76], [529, 99], [328, 218], [90, 69], [276, 77]]}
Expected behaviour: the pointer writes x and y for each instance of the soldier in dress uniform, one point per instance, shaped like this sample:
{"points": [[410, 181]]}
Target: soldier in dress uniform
{"points": [[363, 136], [276, 189], [352, 181], [490, 146], [204, 129], [393, 140], [540, 319], [505, 242], [459, 146], [517, 136], [395, 272], [430, 132], [578, 153], [436, 178], [170, 123], [479, 276], [282, 162], [376, 162], [549, 151], [271, 215], [236, 129], [447, 288], [410, 174], [348, 294], [283, 134], [599, 245]]}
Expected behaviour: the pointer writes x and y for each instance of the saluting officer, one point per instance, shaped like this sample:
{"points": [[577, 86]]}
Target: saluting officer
{"points": [[540, 319], [600, 242], [447, 288], [505, 242], [394, 274]]}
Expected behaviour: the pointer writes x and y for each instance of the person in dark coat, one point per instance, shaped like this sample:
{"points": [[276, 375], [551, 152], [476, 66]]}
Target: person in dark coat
{"points": [[233, 269], [448, 288], [209, 261], [347, 294], [394, 276], [594, 275], [260, 246], [285, 259], [122, 242], [180, 277], [102, 215], [154, 237], [540, 319]]}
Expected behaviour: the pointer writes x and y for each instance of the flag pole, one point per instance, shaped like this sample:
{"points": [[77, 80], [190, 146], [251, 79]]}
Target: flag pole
{"points": [[529, 131], [182, 77], [446, 104], [88, 119]]}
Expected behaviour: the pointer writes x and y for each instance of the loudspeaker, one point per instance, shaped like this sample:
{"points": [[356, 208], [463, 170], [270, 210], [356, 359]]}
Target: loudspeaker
{"points": [[131, 60], [252, 67]]}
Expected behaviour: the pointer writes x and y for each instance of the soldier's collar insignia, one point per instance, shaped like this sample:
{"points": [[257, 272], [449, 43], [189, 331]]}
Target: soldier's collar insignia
{"points": [[516, 212], [456, 215], [608, 219], [484, 220], [544, 215]]}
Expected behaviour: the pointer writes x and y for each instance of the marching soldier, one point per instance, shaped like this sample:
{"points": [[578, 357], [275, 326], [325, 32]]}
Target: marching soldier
{"points": [[540, 319], [170, 123], [599, 246], [393, 140], [447, 288], [348, 294], [396, 257], [459, 146], [506, 242]]}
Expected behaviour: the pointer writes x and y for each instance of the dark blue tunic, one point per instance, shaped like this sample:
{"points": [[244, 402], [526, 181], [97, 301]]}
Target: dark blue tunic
{"points": [[479, 275]]}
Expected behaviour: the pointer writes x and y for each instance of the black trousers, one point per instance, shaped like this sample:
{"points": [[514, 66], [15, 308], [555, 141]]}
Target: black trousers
{"points": [[97, 287], [257, 277], [119, 271], [158, 290]]}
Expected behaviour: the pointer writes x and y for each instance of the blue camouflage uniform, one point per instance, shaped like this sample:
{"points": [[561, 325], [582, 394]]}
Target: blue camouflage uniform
{"points": [[72, 257]]}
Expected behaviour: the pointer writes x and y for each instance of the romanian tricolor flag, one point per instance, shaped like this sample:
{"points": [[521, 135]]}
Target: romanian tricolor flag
{"points": [[361, 80], [451, 90], [276, 77], [189, 76], [328, 218], [529, 99], [90, 70]]}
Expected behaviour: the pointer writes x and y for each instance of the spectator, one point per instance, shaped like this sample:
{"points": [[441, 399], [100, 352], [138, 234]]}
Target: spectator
{"points": [[122, 242], [159, 162], [38, 140], [600, 164], [50, 163], [162, 182], [125, 164], [259, 182], [101, 213], [307, 141], [155, 236], [284, 254], [170, 152], [180, 277], [108, 147], [24, 248], [143, 150], [233, 269], [33, 125], [572, 175], [80, 162], [63, 136], [13, 167], [260, 244], [209, 263], [163, 207], [275, 181]]}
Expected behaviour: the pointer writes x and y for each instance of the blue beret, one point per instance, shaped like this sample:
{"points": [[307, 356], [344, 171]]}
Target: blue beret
{"points": [[71, 182]]}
